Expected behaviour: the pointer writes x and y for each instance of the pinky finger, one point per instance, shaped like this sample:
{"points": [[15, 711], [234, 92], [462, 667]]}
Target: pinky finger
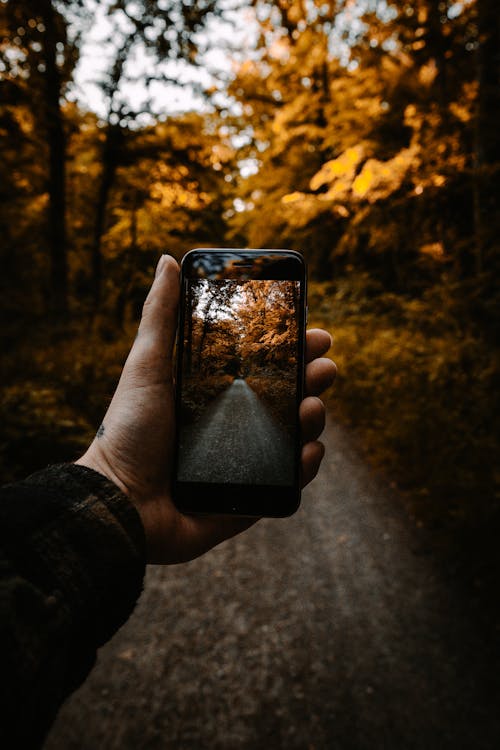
{"points": [[312, 455]]}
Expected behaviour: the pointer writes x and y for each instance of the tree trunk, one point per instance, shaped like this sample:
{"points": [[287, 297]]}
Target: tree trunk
{"points": [[57, 167], [487, 133], [128, 265], [110, 161], [438, 47], [206, 325], [188, 323]]}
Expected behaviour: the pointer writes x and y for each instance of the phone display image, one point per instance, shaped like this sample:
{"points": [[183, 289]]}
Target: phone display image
{"points": [[238, 404], [239, 382]]}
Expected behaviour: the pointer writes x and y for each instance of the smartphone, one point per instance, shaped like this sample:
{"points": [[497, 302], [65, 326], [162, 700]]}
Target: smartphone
{"points": [[239, 382]]}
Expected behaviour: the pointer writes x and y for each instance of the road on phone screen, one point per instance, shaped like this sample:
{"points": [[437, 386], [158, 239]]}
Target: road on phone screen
{"points": [[256, 449], [332, 630]]}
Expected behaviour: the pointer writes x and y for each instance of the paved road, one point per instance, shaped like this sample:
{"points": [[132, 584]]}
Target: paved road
{"points": [[257, 449], [331, 630]]}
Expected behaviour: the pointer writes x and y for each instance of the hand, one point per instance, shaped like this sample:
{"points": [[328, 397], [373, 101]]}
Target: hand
{"points": [[134, 446]]}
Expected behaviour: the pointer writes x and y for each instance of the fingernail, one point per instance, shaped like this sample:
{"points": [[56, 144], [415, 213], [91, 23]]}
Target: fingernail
{"points": [[160, 265]]}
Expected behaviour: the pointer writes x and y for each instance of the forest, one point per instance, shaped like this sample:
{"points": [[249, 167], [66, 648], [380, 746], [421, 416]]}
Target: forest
{"points": [[363, 133], [245, 330]]}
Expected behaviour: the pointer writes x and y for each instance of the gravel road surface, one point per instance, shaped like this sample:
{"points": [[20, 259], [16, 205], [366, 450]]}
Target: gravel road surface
{"points": [[333, 629], [256, 448]]}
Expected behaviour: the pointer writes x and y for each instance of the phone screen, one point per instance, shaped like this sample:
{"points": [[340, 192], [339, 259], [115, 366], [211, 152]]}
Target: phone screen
{"points": [[239, 374]]}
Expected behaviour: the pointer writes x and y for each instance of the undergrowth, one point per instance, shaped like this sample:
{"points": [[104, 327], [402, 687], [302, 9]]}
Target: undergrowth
{"points": [[418, 383], [57, 381]]}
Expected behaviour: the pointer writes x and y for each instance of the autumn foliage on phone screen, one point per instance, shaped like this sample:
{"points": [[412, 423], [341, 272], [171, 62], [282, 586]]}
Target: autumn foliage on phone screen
{"points": [[240, 379]]}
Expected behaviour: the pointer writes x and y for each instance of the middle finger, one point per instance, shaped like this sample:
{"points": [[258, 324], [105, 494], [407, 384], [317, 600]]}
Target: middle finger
{"points": [[312, 419], [320, 374]]}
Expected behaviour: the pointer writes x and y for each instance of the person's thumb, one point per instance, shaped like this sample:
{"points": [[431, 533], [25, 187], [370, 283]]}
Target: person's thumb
{"points": [[150, 359]]}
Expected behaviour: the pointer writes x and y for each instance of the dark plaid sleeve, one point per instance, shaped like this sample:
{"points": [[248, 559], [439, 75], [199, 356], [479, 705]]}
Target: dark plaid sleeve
{"points": [[72, 560]]}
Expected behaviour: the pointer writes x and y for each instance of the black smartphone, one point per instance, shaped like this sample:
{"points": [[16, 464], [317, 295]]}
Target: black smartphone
{"points": [[239, 382]]}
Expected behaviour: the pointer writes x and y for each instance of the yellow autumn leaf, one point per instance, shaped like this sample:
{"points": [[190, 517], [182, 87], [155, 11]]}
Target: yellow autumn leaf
{"points": [[292, 197], [428, 73], [378, 179], [364, 180], [343, 166], [434, 250], [339, 189]]}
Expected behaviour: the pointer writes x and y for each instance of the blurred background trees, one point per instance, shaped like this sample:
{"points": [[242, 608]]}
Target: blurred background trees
{"points": [[364, 134]]}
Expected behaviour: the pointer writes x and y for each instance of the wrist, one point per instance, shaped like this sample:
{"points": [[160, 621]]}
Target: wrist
{"points": [[95, 460]]}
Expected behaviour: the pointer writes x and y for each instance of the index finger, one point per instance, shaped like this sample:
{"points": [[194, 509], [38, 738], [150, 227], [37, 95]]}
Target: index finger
{"points": [[318, 342]]}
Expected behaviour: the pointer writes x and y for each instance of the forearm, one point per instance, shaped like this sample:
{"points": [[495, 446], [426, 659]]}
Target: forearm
{"points": [[72, 556]]}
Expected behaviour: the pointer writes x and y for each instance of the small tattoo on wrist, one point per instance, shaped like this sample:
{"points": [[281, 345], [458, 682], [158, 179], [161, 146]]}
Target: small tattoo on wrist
{"points": [[100, 431]]}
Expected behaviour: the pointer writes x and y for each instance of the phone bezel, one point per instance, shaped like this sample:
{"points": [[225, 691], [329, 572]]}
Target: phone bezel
{"points": [[251, 500]]}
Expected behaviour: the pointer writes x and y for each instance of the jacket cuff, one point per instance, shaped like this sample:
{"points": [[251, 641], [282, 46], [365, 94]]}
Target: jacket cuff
{"points": [[80, 540]]}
